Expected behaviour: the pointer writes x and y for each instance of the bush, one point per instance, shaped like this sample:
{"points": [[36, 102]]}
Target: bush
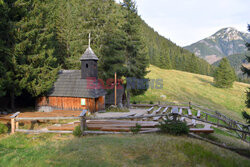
{"points": [[77, 131], [151, 102], [134, 102], [3, 128], [136, 129], [174, 127]]}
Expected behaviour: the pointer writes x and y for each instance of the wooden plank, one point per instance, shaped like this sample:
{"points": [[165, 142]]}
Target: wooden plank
{"points": [[198, 114], [182, 119], [122, 125], [201, 130], [149, 110], [158, 110], [118, 122], [150, 131], [46, 118], [193, 122], [156, 118], [120, 129], [41, 131], [189, 112], [62, 128], [105, 132], [174, 110], [15, 115], [180, 111], [165, 110]]}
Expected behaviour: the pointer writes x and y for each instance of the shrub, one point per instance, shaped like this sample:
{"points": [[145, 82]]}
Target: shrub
{"points": [[174, 127], [136, 129], [3, 128], [77, 131], [134, 102], [151, 102]]}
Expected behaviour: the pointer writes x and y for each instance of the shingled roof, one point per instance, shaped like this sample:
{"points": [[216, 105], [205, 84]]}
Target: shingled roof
{"points": [[70, 84], [89, 55]]}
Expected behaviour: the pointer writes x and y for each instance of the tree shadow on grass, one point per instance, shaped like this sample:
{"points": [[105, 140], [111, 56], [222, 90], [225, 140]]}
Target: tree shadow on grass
{"points": [[205, 81]]}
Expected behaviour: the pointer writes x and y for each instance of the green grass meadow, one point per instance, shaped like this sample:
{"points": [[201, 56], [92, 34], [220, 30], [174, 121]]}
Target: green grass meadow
{"points": [[113, 150], [179, 86]]}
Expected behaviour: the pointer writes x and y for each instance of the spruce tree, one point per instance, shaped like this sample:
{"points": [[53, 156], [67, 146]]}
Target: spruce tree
{"points": [[224, 75], [11, 11], [246, 71], [112, 52], [135, 50], [36, 50]]}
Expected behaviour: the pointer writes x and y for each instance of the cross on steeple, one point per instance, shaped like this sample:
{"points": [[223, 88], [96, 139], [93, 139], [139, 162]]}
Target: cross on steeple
{"points": [[89, 40]]}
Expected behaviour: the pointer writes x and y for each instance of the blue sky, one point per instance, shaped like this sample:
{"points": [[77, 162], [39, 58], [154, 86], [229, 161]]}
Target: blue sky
{"points": [[187, 21]]}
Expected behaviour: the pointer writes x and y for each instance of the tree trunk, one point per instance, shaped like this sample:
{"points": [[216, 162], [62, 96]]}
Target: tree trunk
{"points": [[12, 101], [128, 99]]}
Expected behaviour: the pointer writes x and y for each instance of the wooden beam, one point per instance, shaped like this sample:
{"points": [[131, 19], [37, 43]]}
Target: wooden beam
{"points": [[42, 131], [223, 126], [44, 118], [103, 132]]}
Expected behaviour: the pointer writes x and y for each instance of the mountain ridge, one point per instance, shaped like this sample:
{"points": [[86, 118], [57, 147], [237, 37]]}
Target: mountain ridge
{"points": [[225, 42]]}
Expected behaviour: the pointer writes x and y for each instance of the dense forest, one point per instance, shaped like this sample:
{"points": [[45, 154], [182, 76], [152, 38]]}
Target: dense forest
{"points": [[38, 38], [165, 54]]}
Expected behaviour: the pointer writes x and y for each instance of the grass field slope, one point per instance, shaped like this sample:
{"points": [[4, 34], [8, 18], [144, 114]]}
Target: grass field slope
{"points": [[179, 86]]}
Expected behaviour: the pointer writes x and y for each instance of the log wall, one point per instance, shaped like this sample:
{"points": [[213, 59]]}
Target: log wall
{"points": [[72, 103]]}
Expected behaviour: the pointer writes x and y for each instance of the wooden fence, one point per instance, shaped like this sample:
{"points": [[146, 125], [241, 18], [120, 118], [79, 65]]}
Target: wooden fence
{"points": [[231, 124], [240, 129]]}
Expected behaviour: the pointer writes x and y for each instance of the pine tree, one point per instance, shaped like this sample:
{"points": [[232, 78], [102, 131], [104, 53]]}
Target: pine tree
{"points": [[245, 70], [224, 75], [11, 11], [112, 52], [135, 50], [36, 52]]}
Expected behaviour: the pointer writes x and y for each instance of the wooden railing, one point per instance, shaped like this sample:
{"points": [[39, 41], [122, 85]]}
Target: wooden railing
{"points": [[240, 129]]}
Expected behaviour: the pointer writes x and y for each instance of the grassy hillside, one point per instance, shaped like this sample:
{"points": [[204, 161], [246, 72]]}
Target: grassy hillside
{"points": [[184, 87], [113, 150]]}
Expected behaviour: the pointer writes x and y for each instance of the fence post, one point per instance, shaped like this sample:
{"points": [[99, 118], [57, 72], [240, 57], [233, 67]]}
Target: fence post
{"points": [[83, 122], [17, 124], [206, 117], [13, 124]]}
